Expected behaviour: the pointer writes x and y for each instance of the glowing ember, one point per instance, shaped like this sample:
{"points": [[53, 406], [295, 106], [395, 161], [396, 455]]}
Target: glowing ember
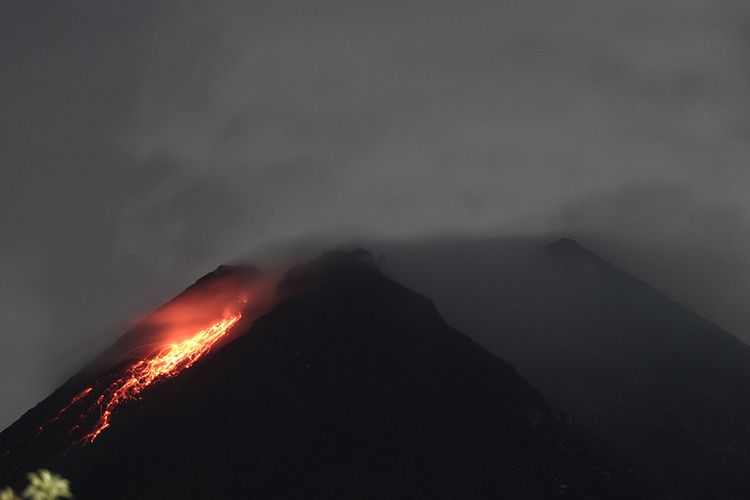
{"points": [[166, 362], [60, 412]]}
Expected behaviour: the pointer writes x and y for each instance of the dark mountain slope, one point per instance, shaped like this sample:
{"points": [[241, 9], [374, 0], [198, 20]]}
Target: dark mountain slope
{"points": [[352, 387], [657, 382]]}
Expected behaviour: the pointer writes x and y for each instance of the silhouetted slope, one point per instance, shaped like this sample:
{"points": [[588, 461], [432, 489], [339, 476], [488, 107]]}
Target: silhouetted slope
{"points": [[352, 387], [657, 382]]}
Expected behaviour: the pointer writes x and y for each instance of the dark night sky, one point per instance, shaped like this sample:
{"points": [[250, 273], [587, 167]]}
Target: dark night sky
{"points": [[143, 142]]}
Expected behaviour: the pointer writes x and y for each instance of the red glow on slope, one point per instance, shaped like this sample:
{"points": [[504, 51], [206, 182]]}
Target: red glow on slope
{"points": [[170, 340], [166, 362]]}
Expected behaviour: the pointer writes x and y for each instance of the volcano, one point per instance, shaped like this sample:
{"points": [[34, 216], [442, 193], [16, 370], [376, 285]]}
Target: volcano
{"points": [[344, 384]]}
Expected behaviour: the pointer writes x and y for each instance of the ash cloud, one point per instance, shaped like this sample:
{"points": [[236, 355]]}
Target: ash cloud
{"points": [[413, 118]]}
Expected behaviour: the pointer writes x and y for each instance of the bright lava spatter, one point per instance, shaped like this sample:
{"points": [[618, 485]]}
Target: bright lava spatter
{"points": [[166, 362]]}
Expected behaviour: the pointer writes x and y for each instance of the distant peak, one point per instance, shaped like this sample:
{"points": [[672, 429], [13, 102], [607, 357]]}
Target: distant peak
{"points": [[566, 243], [571, 253], [570, 247]]}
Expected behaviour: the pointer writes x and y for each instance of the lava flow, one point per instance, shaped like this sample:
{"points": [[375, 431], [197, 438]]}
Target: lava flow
{"points": [[166, 362], [168, 341]]}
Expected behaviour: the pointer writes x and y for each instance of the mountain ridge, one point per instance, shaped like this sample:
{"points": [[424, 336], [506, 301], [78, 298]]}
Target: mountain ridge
{"points": [[659, 383]]}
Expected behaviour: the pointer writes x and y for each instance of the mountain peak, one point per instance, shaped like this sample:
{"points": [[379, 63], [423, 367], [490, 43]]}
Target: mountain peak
{"points": [[570, 247], [573, 257], [658, 382], [564, 243]]}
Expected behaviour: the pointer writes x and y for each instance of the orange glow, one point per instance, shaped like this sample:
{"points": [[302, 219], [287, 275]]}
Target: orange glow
{"points": [[166, 362], [168, 341]]}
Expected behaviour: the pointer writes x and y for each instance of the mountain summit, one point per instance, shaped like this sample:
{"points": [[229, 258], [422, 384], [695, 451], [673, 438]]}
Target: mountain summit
{"points": [[351, 386]]}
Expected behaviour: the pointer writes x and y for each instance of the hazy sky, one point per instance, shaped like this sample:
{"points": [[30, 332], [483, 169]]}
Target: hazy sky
{"points": [[143, 142]]}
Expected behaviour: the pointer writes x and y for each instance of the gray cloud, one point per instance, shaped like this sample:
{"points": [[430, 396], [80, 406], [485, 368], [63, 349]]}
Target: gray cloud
{"points": [[145, 142], [421, 117]]}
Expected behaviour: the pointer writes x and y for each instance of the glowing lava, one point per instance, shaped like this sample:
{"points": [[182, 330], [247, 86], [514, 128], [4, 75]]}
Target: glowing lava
{"points": [[161, 346], [166, 362]]}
